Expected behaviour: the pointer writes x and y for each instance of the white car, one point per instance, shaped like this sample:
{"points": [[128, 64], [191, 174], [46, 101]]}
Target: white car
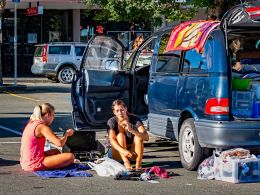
{"points": [[58, 61]]}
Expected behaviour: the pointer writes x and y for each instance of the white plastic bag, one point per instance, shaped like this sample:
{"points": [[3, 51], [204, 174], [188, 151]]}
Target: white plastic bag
{"points": [[206, 169], [108, 167]]}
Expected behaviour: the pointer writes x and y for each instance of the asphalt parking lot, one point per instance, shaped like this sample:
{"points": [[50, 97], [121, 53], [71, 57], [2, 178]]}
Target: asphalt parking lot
{"points": [[16, 106]]}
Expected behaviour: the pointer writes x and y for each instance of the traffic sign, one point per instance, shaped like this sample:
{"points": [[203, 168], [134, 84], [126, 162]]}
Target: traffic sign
{"points": [[16, 1]]}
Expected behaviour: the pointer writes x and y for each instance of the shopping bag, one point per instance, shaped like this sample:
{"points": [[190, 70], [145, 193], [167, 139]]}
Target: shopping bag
{"points": [[106, 167]]}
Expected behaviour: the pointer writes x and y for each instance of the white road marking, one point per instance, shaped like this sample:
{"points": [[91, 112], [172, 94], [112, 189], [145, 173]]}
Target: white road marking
{"points": [[10, 142], [10, 130]]}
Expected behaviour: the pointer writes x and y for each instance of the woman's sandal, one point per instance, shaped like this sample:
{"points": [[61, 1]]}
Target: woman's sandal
{"points": [[128, 166]]}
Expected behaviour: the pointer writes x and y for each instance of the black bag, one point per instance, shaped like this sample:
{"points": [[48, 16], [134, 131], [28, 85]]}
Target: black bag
{"points": [[84, 146]]}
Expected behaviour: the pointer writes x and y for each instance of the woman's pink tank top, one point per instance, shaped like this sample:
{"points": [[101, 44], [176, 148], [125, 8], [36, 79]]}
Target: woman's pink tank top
{"points": [[32, 148]]}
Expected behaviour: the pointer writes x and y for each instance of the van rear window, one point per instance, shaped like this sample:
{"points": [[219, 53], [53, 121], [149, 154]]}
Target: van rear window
{"points": [[39, 51]]}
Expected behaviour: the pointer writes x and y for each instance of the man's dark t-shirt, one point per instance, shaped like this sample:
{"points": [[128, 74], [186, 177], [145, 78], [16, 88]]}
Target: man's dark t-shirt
{"points": [[133, 120]]}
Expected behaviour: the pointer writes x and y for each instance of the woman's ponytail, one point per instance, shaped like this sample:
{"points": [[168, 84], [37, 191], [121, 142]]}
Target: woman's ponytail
{"points": [[37, 113], [40, 110]]}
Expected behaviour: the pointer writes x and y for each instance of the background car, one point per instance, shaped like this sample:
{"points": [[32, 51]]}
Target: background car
{"points": [[58, 61]]}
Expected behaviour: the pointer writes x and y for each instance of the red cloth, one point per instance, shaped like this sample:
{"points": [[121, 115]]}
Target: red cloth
{"points": [[190, 35], [159, 172]]}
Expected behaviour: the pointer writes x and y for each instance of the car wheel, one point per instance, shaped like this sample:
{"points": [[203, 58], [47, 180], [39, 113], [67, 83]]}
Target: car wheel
{"points": [[66, 74], [191, 153]]}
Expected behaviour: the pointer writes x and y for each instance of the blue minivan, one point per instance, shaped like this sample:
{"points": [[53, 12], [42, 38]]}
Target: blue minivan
{"points": [[199, 99]]}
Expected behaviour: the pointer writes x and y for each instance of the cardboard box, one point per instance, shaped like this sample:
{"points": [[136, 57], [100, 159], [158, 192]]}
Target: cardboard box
{"points": [[239, 170]]}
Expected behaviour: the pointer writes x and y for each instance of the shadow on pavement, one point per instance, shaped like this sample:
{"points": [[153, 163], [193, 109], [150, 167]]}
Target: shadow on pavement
{"points": [[162, 164], [24, 89], [4, 162], [63, 118]]}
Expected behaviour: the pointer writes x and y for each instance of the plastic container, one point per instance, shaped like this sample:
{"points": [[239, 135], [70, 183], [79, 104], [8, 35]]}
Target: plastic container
{"points": [[256, 89], [242, 103], [256, 109], [257, 92], [241, 84], [240, 170]]}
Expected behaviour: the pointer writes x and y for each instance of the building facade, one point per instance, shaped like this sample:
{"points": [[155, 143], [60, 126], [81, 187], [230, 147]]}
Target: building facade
{"points": [[45, 21], [57, 21]]}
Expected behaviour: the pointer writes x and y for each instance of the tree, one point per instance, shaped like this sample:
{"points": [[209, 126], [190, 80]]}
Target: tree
{"points": [[139, 10], [2, 6], [153, 10]]}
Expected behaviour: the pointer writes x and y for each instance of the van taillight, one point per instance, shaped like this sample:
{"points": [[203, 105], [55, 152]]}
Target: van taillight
{"points": [[217, 106], [44, 54]]}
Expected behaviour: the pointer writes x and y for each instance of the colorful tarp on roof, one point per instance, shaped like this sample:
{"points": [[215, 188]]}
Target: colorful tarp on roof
{"points": [[190, 35], [254, 12]]}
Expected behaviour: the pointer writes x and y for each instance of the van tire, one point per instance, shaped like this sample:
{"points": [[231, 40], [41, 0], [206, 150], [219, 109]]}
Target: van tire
{"points": [[191, 153], [66, 74]]}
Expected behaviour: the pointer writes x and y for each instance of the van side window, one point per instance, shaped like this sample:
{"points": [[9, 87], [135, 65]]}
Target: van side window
{"points": [[145, 54], [103, 53], [167, 62], [194, 62]]}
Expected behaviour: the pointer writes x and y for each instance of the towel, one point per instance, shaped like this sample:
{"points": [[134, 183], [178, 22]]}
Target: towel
{"points": [[190, 35], [74, 170]]}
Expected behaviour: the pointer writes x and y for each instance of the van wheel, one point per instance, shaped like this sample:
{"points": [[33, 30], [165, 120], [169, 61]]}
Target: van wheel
{"points": [[66, 74], [191, 153]]}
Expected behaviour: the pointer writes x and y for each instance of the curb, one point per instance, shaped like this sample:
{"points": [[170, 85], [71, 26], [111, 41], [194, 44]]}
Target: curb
{"points": [[10, 81], [11, 87]]}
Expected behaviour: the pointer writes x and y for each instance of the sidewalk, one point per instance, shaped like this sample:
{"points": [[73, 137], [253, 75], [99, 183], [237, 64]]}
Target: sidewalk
{"points": [[8, 82], [27, 79]]}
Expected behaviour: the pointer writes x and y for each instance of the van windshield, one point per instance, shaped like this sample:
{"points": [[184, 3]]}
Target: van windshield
{"points": [[38, 51]]}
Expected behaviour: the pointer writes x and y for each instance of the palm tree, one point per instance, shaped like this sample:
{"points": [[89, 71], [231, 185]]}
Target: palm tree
{"points": [[2, 6]]}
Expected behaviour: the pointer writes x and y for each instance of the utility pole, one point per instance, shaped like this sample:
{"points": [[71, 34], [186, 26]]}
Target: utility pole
{"points": [[15, 40]]}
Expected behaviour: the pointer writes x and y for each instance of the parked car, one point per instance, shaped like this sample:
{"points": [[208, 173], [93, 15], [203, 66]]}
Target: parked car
{"points": [[185, 95], [58, 61]]}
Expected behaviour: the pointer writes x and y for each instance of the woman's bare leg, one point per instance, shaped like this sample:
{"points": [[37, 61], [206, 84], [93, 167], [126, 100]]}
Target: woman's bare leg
{"points": [[58, 160], [121, 139], [52, 152], [139, 150]]}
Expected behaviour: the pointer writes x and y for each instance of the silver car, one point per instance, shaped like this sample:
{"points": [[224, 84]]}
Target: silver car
{"points": [[58, 61]]}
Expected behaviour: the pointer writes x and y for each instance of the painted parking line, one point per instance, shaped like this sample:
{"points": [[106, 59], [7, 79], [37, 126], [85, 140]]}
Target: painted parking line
{"points": [[19, 96], [10, 130]]}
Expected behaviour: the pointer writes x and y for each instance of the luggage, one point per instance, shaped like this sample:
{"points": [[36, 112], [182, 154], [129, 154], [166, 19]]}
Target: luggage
{"points": [[84, 146]]}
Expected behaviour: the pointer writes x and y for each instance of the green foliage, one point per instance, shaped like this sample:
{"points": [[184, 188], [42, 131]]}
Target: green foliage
{"points": [[152, 10], [148, 10], [2, 6]]}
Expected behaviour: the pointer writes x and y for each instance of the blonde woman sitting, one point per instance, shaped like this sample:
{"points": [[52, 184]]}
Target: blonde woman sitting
{"points": [[33, 157]]}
